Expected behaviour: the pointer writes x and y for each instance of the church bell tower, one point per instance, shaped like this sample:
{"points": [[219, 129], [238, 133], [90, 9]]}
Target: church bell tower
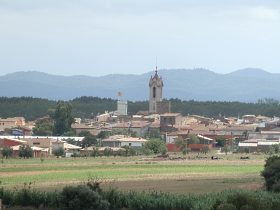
{"points": [[155, 85]]}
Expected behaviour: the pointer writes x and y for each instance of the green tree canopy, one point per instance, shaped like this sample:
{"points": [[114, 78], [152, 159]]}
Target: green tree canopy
{"points": [[7, 152], [25, 151], [62, 118], [43, 127], [156, 146], [271, 173], [89, 139]]}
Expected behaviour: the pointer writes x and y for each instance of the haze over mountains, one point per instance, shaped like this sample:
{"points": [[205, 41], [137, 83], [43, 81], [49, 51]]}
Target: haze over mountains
{"points": [[246, 85]]}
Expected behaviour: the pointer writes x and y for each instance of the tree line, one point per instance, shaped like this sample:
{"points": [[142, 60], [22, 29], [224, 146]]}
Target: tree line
{"points": [[88, 107]]}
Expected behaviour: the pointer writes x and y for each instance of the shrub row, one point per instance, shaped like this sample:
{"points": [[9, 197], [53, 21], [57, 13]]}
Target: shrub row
{"points": [[90, 196]]}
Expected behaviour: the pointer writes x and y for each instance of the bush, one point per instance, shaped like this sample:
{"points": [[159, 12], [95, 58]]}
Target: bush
{"points": [[271, 172], [94, 152], [108, 152], [156, 146], [25, 151], [7, 152], [58, 152], [276, 187], [226, 206], [83, 198]]}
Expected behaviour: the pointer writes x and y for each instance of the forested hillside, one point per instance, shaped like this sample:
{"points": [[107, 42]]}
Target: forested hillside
{"points": [[86, 107]]}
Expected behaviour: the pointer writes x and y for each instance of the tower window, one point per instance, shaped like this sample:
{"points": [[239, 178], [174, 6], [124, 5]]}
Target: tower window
{"points": [[154, 92]]}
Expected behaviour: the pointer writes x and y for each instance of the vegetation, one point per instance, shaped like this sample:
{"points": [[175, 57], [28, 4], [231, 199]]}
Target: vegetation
{"points": [[182, 145], [82, 197], [271, 173], [25, 151], [90, 196], [7, 152], [154, 146], [89, 139], [58, 152], [43, 127], [62, 117], [88, 107], [193, 139], [69, 170]]}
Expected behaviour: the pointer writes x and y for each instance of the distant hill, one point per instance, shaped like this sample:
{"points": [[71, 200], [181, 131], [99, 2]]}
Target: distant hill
{"points": [[246, 85]]}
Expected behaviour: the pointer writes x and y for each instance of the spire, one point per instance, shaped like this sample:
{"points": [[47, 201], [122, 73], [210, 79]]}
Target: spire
{"points": [[156, 71], [156, 65]]}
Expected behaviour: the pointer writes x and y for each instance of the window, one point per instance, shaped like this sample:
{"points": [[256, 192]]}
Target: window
{"points": [[154, 92]]}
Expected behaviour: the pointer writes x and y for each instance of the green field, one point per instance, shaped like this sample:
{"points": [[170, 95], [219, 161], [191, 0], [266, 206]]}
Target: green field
{"points": [[135, 173]]}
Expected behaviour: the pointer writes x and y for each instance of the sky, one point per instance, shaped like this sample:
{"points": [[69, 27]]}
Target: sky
{"points": [[98, 37]]}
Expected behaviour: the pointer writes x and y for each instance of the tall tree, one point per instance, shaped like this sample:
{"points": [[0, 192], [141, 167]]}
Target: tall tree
{"points": [[62, 117]]}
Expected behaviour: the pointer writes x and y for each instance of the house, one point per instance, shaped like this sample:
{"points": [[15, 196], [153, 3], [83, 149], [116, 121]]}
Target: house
{"points": [[198, 146], [257, 145], [141, 128], [249, 119], [45, 143], [9, 123], [170, 122], [37, 151], [83, 127], [121, 140], [9, 142]]}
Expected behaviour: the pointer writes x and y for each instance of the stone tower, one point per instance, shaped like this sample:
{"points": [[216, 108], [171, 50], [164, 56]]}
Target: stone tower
{"points": [[156, 85]]}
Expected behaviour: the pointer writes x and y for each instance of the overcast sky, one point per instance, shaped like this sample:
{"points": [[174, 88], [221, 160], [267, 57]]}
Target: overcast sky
{"points": [[99, 37]]}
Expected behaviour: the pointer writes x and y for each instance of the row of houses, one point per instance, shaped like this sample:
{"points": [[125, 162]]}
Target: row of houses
{"points": [[41, 146], [170, 126]]}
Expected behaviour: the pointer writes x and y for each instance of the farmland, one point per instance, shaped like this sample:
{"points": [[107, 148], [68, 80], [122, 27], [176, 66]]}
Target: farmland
{"points": [[135, 173]]}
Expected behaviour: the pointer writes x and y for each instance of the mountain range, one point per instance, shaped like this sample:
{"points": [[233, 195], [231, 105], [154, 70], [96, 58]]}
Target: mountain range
{"points": [[246, 85]]}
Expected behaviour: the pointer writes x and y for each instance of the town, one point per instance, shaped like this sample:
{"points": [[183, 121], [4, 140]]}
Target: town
{"points": [[116, 133]]}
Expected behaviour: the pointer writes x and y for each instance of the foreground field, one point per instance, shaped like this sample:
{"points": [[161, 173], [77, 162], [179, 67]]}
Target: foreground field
{"points": [[136, 173]]}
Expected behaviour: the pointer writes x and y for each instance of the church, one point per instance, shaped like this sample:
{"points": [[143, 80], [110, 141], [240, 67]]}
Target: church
{"points": [[156, 104]]}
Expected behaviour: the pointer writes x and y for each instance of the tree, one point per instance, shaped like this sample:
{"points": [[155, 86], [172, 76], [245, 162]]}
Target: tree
{"points": [[7, 152], [226, 149], [271, 173], [62, 118], [43, 127], [181, 144], [193, 139], [205, 149], [103, 134], [58, 152], [155, 145], [275, 148], [129, 151], [89, 139], [221, 142], [25, 151], [154, 134]]}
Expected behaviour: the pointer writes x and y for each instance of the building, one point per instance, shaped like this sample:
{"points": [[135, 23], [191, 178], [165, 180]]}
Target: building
{"points": [[44, 143], [140, 128], [69, 149], [121, 140], [121, 107], [9, 123], [170, 121], [10, 141], [83, 127], [155, 85], [257, 145]]}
